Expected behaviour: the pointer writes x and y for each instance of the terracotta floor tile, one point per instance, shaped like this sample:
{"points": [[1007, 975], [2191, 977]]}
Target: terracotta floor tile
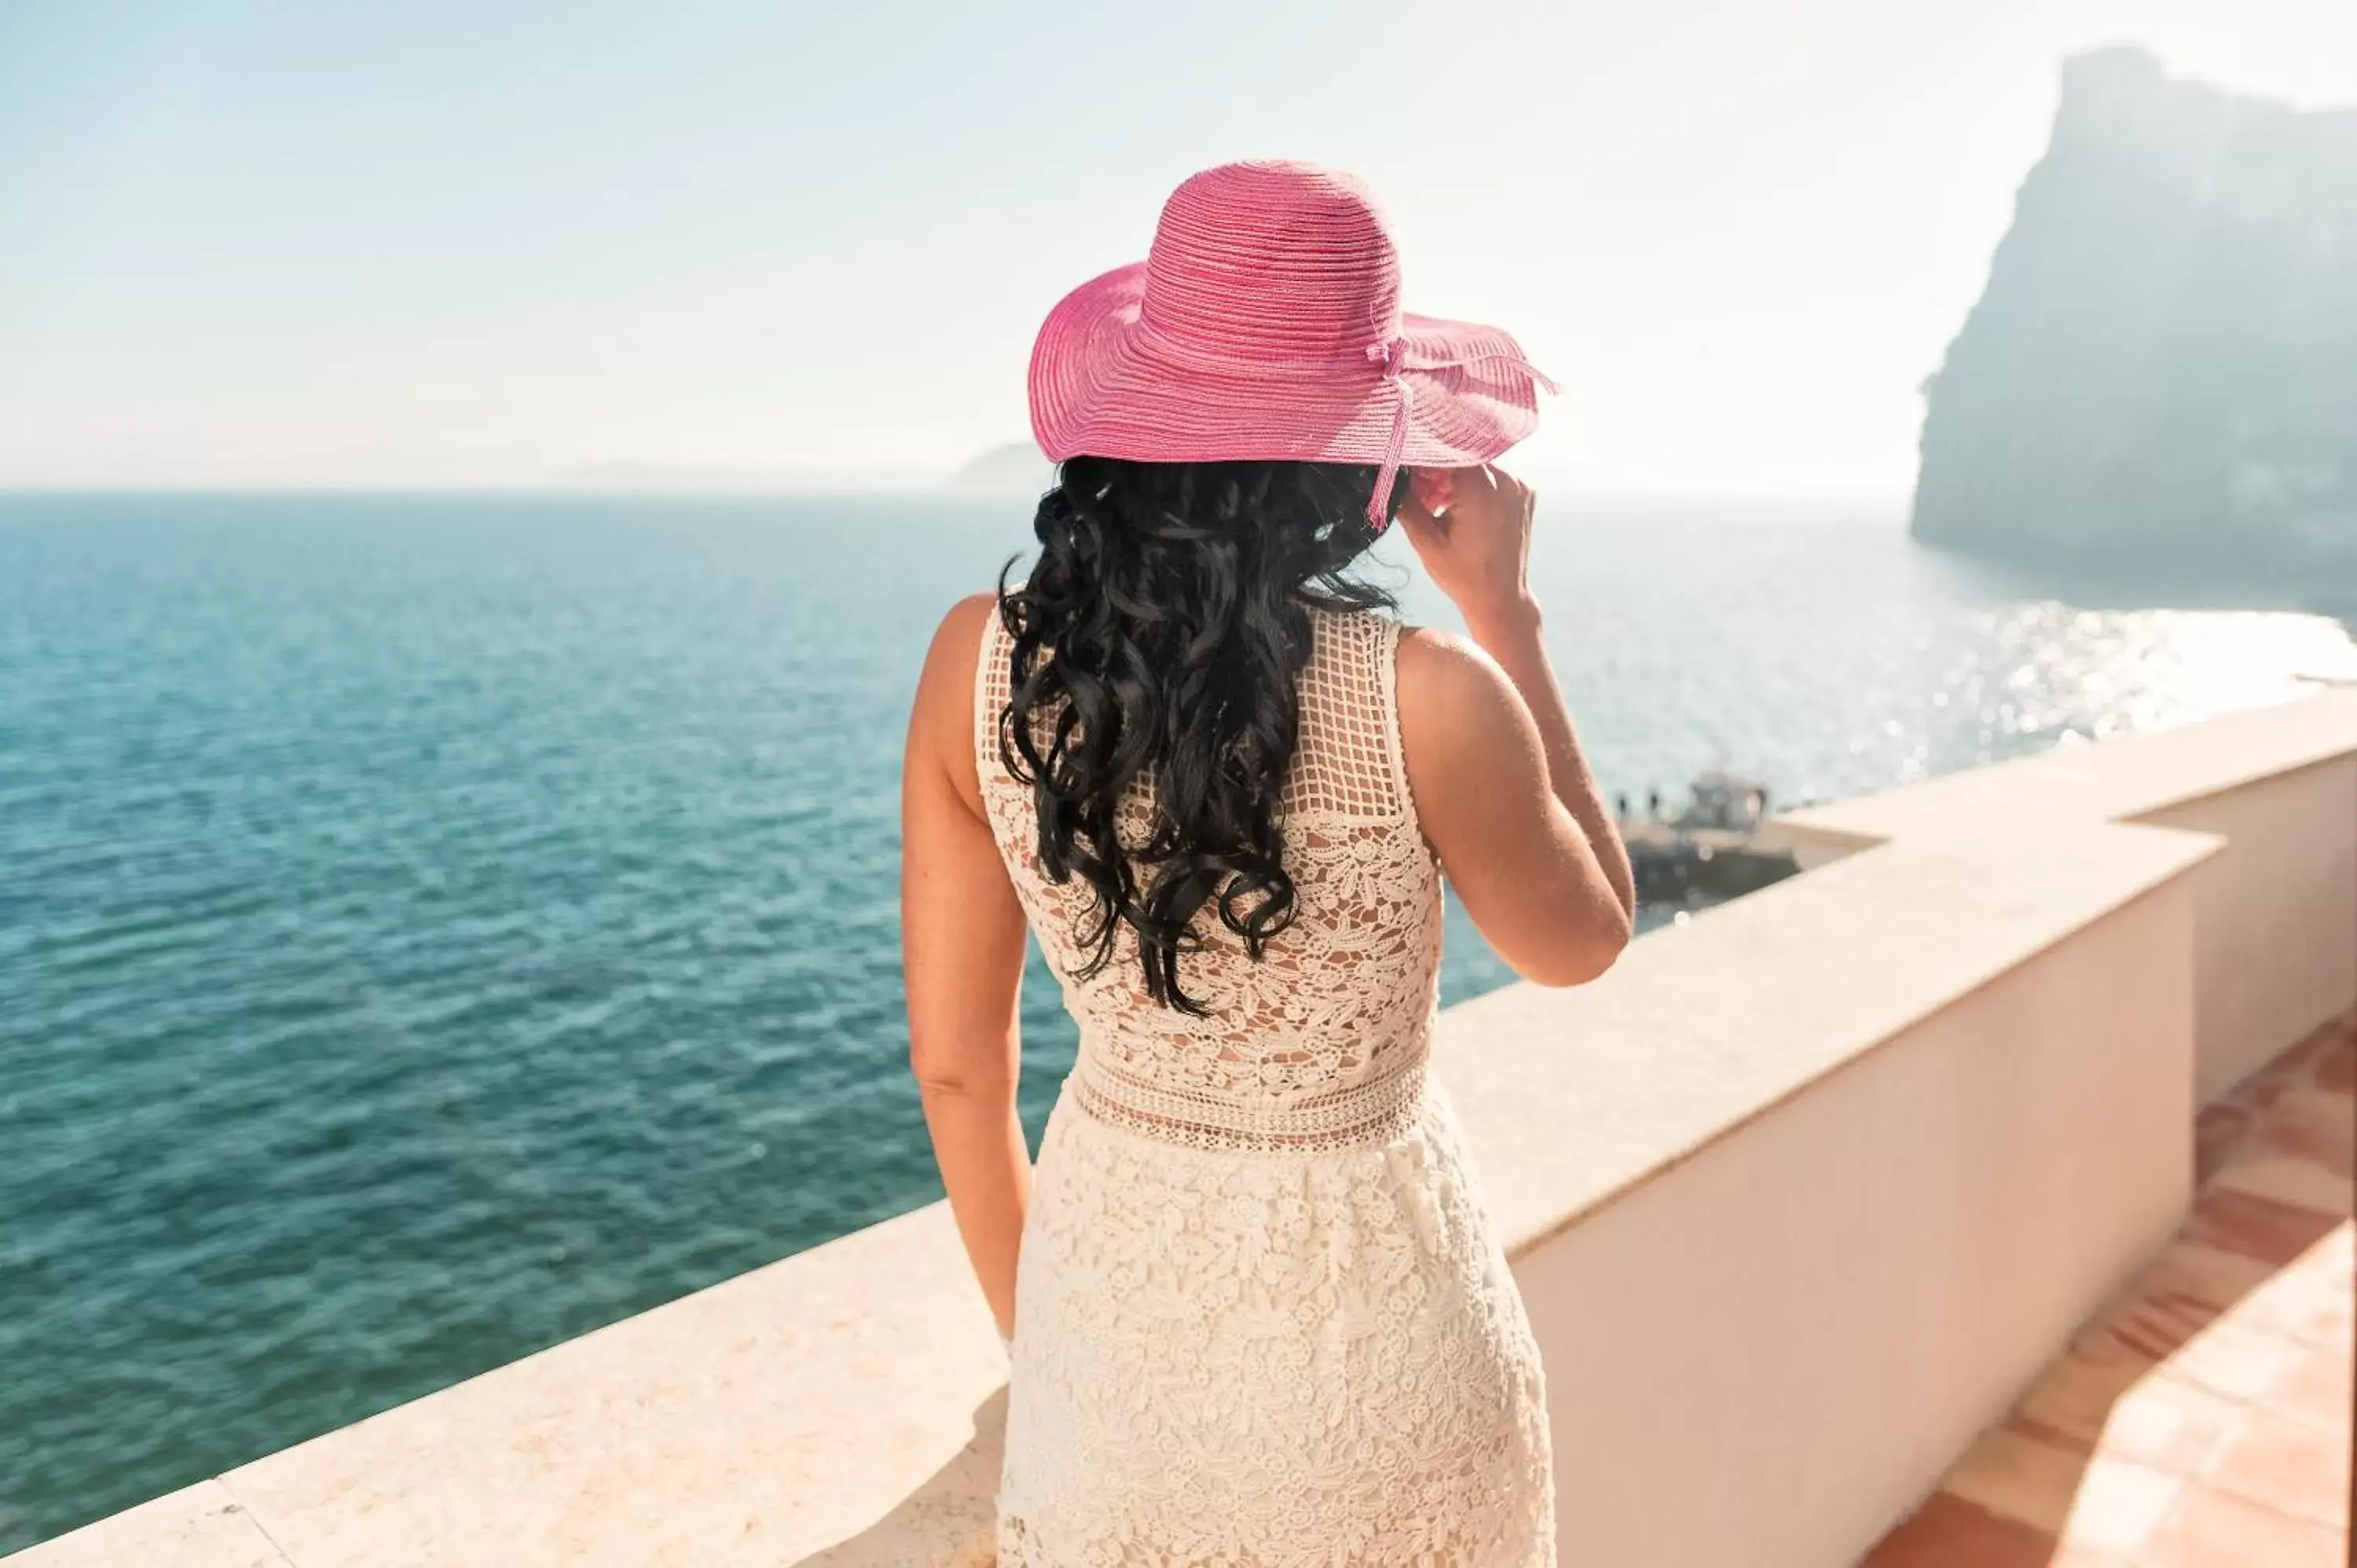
{"points": [[2169, 1426], [2018, 1477], [2330, 1263], [2300, 1181], [2312, 1300], [2308, 1123], [2334, 1255], [2101, 1344], [2290, 1467], [2081, 1448], [2297, 1311], [2210, 1529], [2255, 1227], [2157, 1324], [1950, 1532], [2075, 1397], [2101, 1504], [2230, 1358], [2144, 1330], [2119, 1505], [2314, 1386], [2122, 1408], [2193, 1274], [2222, 1355]]}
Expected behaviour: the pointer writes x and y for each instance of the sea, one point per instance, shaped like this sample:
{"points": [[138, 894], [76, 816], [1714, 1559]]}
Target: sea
{"points": [[432, 926]]}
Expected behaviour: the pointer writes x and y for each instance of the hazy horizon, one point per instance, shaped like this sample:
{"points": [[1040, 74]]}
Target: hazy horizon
{"points": [[823, 482], [256, 245]]}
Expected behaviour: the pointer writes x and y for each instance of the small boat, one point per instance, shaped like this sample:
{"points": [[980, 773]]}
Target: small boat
{"points": [[1702, 852], [1721, 802]]}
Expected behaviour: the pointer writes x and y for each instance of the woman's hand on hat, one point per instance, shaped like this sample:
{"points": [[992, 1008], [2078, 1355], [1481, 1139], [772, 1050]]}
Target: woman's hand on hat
{"points": [[1471, 528]]}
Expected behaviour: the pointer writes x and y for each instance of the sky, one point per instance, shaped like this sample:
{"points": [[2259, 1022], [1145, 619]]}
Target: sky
{"points": [[264, 243]]}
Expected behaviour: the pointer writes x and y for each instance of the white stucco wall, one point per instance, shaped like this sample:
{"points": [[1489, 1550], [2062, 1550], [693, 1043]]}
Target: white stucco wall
{"points": [[2276, 944], [2277, 929], [1769, 1354]]}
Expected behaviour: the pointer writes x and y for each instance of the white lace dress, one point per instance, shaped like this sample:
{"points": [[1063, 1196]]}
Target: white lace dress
{"points": [[1262, 1320]]}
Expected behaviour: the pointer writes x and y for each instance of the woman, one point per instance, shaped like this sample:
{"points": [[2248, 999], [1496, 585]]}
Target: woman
{"points": [[1261, 1316]]}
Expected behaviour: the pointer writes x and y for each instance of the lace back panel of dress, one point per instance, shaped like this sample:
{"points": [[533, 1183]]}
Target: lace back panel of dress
{"points": [[1312, 1044]]}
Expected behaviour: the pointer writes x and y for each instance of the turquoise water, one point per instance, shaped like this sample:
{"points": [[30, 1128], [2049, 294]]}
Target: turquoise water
{"points": [[432, 928]]}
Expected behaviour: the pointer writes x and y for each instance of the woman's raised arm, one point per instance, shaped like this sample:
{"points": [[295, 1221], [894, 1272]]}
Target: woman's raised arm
{"points": [[1505, 796]]}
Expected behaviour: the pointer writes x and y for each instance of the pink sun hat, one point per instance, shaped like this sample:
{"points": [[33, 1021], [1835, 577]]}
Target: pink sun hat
{"points": [[1265, 323]]}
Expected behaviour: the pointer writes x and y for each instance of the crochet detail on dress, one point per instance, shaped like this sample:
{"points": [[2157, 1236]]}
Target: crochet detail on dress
{"points": [[1321, 1041]]}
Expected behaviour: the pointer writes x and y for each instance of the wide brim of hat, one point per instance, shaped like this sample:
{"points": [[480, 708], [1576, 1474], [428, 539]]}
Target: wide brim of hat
{"points": [[1102, 386]]}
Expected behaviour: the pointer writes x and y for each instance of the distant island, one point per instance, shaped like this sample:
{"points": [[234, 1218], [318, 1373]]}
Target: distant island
{"points": [[685, 479], [1019, 467], [2164, 361]]}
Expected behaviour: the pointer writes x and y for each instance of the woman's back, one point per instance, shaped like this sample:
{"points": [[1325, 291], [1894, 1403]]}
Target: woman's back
{"points": [[1318, 1041]]}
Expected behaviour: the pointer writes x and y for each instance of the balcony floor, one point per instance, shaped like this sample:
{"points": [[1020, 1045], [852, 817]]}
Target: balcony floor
{"points": [[2204, 1422]]}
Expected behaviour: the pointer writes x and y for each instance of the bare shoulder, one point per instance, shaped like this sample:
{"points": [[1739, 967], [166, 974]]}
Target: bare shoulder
{"points": [[962, 623], [943, 713], [1474, 758], [1450, 688], [957, 646]]}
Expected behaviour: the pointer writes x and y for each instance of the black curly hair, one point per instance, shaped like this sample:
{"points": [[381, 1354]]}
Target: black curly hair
{"points": [[1160, 633]]}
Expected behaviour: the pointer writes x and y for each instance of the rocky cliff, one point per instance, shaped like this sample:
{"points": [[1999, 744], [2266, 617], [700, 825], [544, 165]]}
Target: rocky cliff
{"points": [[2165, 359]]}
